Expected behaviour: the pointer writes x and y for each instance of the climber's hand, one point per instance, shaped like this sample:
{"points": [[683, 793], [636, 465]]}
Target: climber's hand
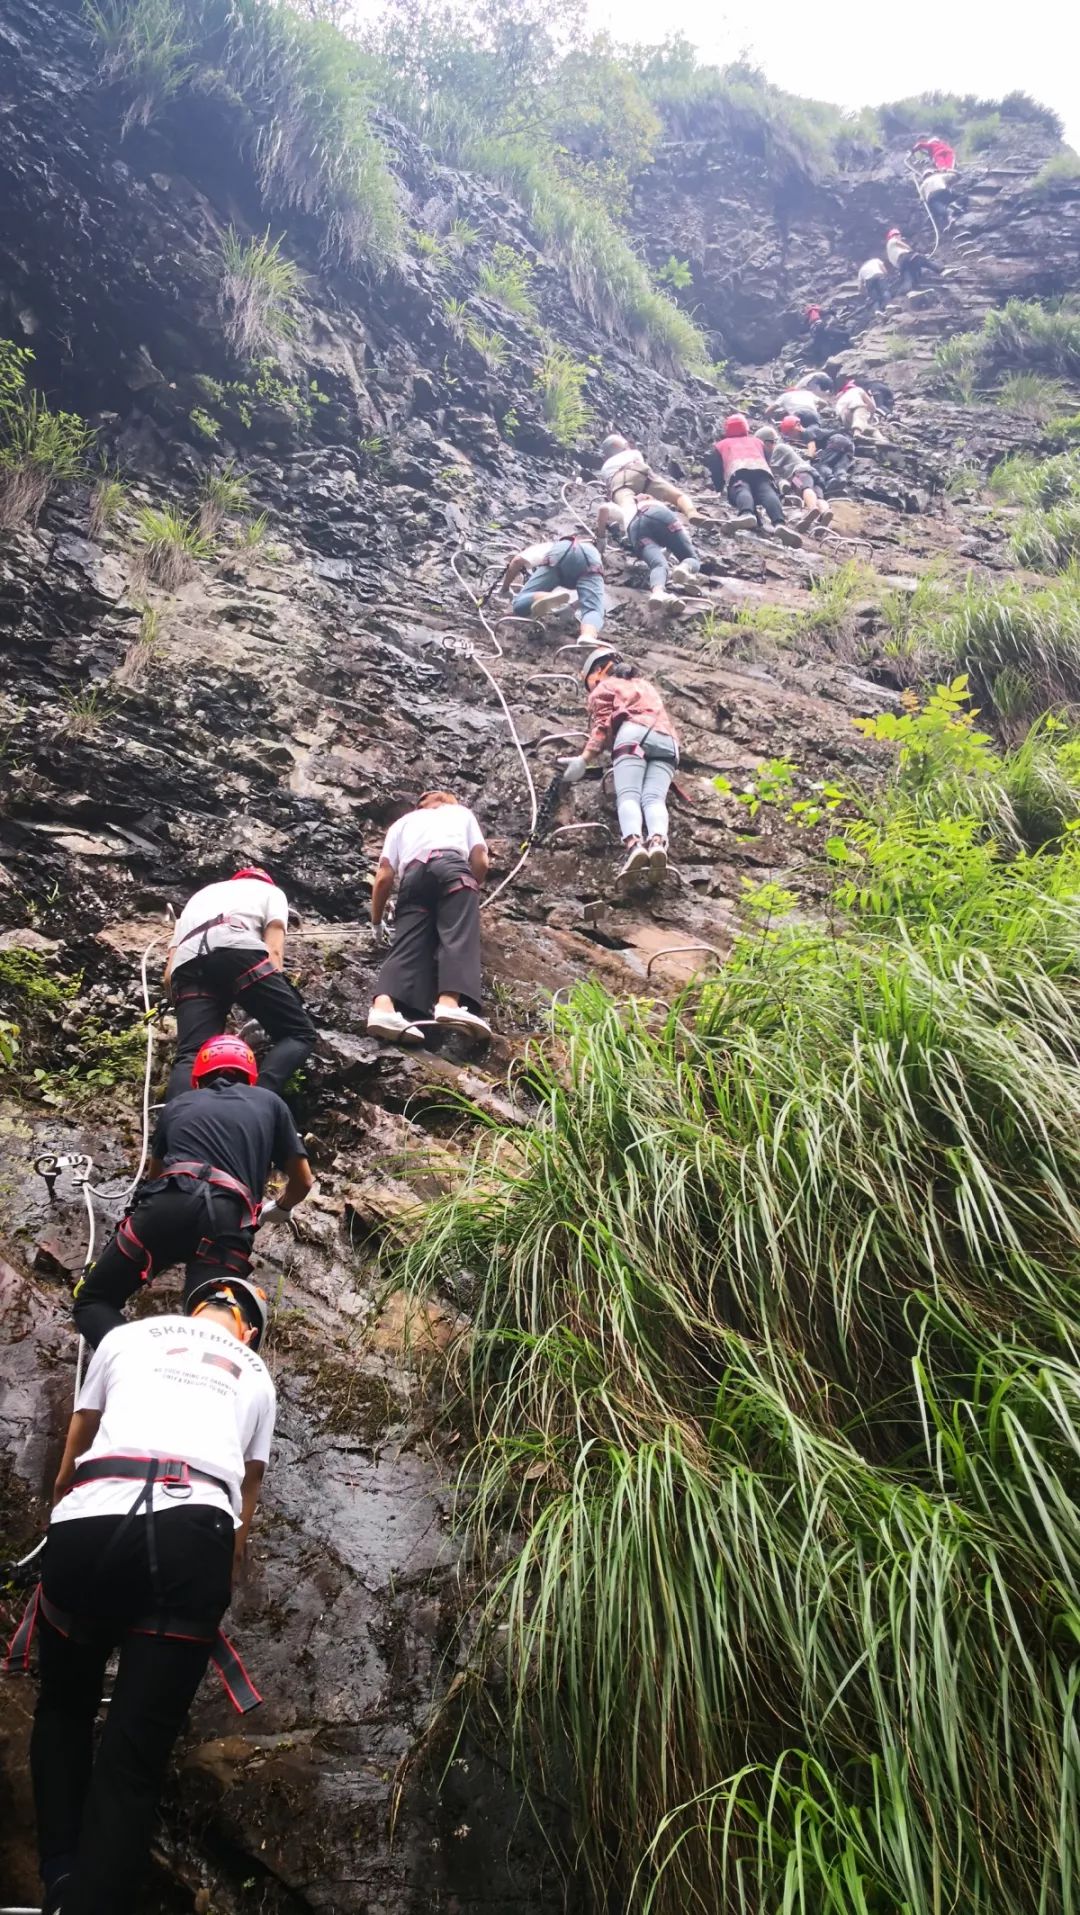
{"points": [[273, 1213], [574, 769]]}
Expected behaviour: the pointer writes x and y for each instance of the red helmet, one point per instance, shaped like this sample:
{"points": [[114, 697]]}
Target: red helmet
{"points": [[736, 426], [894, 233], [252, 871], [224, 1054], [790, 425]]}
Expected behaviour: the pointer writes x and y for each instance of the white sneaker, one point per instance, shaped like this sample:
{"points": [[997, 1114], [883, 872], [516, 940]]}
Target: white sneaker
{"points": [[392, 1024], [787, 535], [742, 522], [657, 849], [634, 869], [679, 575], [546, 604], [460, 1018]]}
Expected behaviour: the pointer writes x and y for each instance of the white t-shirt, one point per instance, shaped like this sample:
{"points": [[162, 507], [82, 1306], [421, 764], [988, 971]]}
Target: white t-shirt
{"points": [[629, 461], [435, 828], [847, 404], [934, 183], [797, 398], [895, 250], [535, 555], [175, 1387], [249, 906], [871, 269]]}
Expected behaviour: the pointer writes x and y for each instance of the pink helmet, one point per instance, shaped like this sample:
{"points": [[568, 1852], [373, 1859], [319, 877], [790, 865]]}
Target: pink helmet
{"points": [[252, 871], [894, 233]]}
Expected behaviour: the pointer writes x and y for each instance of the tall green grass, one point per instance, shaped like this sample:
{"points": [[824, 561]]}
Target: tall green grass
{"points": [[773, 1377]]}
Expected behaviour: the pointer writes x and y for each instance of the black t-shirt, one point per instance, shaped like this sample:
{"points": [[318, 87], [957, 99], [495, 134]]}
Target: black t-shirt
{"points": [[235, 1127]]}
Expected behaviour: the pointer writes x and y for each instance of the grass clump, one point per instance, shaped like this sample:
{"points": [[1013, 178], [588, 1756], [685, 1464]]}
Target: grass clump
{"points": [[144, 47], [172, 545], [223, 494], [506, 277], [1048, 541], [834, 593], [489, 344], [39, 448], [1025, 479], [1032, 393], [257, 293], [771, 1376], [1035, 634], [108, 497], [144, 649], [560, 382]]}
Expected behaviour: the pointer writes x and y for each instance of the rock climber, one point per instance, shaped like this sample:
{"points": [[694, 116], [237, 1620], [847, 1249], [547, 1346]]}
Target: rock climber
{"points": [[909, 266], [152, 1507], [626, 472], [792, 465], [228, 948], [738, 464], [856, 412], [440, 854], [834, 460], [655, 532], [802, 402], [199, 1203], [826, 335], [558, 572], [627, 716], [942, 154], [939, 195], [873, 282]]}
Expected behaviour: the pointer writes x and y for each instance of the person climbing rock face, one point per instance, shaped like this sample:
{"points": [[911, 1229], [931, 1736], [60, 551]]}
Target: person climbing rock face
{"points": [[873, 282], [228, 948], [909, 266], [790, 463], [655, 534], [833, 461], [940, 196], [857, 413], [627, 717], [433, 969], [626, 472], [559, 572], [738, 464], [199, 1203], [939, 151], [160, 1477], [801, 402]]}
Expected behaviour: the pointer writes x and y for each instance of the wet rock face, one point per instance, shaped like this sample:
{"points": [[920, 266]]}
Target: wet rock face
{"points": [[290, 701]]}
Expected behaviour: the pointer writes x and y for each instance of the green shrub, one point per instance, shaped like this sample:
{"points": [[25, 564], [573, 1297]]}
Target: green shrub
{"points": [[982, 133], [1033, 633], [490, 345], [223, 493], [172, 545], [108, 496], [257, 292], [560, 382], [1025, 479], [1032, 393], [1048, 541], [1062, 170]]}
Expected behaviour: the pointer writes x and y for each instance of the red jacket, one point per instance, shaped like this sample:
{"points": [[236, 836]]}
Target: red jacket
{"points": [[743, 454], [940, 152], [615, 699]]}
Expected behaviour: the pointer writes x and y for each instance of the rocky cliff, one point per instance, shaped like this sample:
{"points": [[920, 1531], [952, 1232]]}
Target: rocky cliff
{"points": [[282, 701]]}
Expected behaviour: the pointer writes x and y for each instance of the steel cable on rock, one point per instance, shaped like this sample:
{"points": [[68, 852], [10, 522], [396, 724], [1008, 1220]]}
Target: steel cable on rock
{"points": [[925, 206], [82, 1160]]}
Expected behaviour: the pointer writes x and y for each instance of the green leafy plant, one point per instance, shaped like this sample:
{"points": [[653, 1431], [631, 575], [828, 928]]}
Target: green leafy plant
{"points": [[258, 290], [430, 246], [487, 343], [462, 235], [172, 545], [675, 273], [252, 538], [506, 278], [457, 313], [560, 381], [205, 424]]}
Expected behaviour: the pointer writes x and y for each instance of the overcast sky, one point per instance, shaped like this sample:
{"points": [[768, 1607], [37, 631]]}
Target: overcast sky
{"points": [[860, 54]]}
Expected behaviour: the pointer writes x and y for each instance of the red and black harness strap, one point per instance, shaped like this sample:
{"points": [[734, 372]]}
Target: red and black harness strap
{"points": [[238, 1685], [572, 544], [213, 1180]]}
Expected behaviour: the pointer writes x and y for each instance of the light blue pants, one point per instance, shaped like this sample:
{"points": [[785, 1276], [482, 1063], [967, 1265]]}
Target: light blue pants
{"points": [[643, 780]]}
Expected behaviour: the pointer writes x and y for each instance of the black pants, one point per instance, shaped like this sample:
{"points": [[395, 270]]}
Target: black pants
{"points": [[876, 291], [95, 1814], [753, 491], [436, 937], [204, 989], [653, 533], [913, 269], [169, 1226]]}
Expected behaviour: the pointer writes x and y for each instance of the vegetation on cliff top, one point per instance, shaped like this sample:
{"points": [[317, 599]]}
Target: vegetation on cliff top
{"points": [[773, 1376]]}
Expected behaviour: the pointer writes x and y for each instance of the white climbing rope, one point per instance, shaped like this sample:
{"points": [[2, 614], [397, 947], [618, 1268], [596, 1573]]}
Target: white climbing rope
{"points": [[572, 509], [925, 204], [467, 650]]}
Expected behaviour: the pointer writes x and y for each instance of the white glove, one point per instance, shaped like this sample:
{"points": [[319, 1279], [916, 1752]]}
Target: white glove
{"points": [[273, 1213], [574, 770]]}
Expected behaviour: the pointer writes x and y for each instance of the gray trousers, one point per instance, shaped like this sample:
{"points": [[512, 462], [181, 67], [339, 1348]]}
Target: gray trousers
{"points": [[643, 779]]}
